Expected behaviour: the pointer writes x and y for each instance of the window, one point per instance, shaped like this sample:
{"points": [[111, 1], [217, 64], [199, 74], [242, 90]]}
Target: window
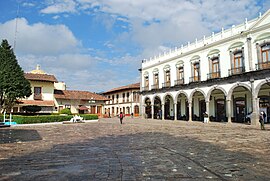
{"points": [[123, 98], [113, 99], [266, 53], [215, 67], [37, 93], [156, 81], [146, 81], [128, 97], [117, 97], [237, 62], [167, 78], [196, 71]]}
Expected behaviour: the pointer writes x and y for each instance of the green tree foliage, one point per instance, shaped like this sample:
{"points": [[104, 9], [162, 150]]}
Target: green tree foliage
{"points": [[13, 84], [65, 111]]}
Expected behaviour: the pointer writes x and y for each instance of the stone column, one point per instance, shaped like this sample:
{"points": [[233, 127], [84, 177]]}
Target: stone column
{"points": [[152, 111], [190, 110], [229, 114], [175, 111], [163, 111], [249, 50], [207, 109]]}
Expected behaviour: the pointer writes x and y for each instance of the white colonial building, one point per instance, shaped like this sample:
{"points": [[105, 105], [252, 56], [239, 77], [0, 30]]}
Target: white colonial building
{"points": [[226, 75], [125, 99]]}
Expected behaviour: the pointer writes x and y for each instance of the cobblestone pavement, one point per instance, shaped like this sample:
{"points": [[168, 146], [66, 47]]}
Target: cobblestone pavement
{"points": [[137, 150]]}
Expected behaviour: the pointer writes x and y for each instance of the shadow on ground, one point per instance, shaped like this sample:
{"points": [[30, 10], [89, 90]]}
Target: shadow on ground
{"points": [[18, 135], [154, 156]]}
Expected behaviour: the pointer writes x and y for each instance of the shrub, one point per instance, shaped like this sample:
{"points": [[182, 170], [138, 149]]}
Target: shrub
{"points": [[65, 111], [49, 118]]}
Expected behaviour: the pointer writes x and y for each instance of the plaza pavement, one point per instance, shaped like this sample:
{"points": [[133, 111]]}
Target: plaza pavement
{"points": [[137, 150]]}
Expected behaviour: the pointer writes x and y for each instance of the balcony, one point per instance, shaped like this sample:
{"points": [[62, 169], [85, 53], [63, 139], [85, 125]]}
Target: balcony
{"points": [[145, 88], [235, 71], [263, 65], [37, 96], [166, 84], [213, 75], [195, 79], [155, 86], [179, 81]]}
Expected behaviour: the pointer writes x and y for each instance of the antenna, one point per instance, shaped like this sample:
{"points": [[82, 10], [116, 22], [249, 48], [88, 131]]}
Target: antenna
{"points": [[16, 27]]}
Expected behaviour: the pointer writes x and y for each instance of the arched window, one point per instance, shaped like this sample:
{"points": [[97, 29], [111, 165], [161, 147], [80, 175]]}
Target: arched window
{"points": [[167, 78], [179, 73]]}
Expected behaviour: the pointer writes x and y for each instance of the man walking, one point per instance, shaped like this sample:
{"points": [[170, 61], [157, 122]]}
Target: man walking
{"points": [[262, 120], [121, 116]]}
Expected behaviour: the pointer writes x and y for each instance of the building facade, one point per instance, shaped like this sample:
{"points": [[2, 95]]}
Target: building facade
{"points": [[124, 99], [51, 96], [225, 76]]}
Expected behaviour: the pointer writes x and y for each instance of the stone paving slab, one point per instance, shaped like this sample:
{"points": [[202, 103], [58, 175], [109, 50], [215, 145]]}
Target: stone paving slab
{"points": [[137, 150]]}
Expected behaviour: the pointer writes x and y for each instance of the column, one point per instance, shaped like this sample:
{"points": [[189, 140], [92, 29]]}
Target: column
{"points": [[175, 111], [249, 54], [163, 111], [152, 111], [143, 111], [190, 110], [207, 110], [255, 111], [229, 114]]}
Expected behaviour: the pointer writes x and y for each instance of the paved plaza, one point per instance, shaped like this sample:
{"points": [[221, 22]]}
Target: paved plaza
{"points": [[137, 150]]}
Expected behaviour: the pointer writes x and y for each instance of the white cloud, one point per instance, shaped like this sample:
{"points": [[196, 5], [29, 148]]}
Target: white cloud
{"points": [[60, 6], [39, 38]]}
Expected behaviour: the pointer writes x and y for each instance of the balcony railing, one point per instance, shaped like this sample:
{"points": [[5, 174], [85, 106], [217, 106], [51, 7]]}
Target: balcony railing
{"points": [[179, 81], [155, 86], [213, 75], [145, 88], [263, 65], [195, 79], [37, 96], [235, 71], [166, 84]]}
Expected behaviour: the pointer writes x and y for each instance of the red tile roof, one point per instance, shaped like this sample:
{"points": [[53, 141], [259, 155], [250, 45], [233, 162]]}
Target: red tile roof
{"points": [[78, 95], [130, 86], [35, 102], [40, 77]]}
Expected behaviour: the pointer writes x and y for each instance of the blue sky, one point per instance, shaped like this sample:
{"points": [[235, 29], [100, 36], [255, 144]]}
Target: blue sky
{"points": [[97, 45]]}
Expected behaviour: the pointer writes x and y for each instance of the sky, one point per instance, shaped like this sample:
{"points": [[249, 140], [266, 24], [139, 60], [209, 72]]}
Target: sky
{"points": [[97, 45]]}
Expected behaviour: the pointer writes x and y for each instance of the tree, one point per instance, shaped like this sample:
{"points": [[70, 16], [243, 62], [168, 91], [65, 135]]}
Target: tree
{"points": [[13, 84]]}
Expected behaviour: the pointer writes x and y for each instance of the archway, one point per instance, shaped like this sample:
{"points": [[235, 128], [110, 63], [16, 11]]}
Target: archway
{"points": [[217, 106], [264, 100], [198, 106], [169, 107], [182, 107], [147, 108], [136, 110], [242, 103], [157, 108]]}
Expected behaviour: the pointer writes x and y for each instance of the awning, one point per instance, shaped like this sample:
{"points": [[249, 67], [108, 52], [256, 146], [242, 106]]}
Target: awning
{"points": [[82, 108]]}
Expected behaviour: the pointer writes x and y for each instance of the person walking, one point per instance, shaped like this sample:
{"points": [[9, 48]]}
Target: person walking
{"points": [[121, 116], [262, 121]]}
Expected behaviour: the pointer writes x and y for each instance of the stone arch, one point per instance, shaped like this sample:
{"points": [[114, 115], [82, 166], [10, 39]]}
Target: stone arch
{"points": [[195, 58], [196, 90], [236, 45], [167, 67], [263, 36], [180, 92], [167, 94], [213, 52], [152, 101], [147, 97], [258, 87], [238, 84], [215, 88]]}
